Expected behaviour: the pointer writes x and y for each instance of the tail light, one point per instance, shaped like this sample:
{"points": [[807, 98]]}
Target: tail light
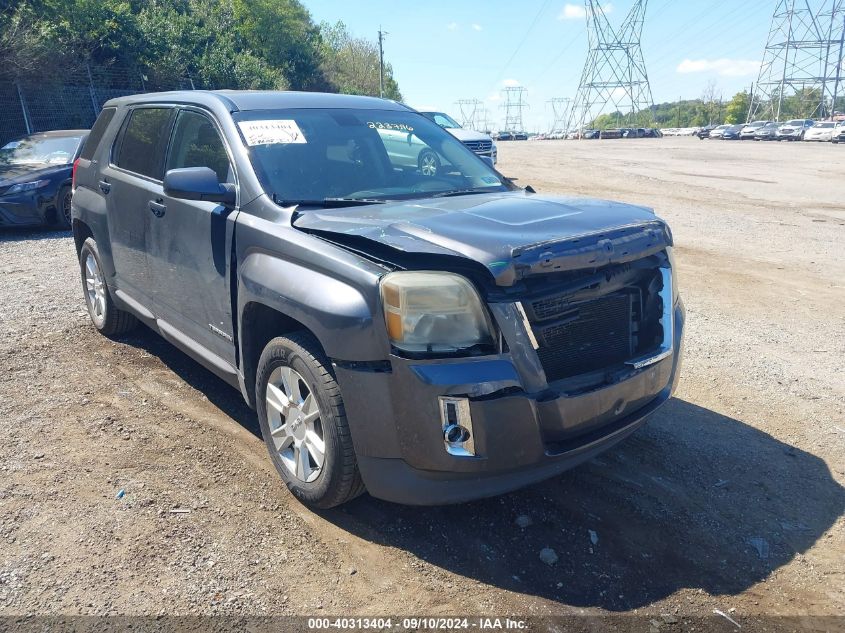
{"points": [[73, 175]]}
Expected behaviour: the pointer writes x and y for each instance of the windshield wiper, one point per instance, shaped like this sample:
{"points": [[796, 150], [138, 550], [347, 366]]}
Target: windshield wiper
{"points": [[328, 203], [459, 192]]}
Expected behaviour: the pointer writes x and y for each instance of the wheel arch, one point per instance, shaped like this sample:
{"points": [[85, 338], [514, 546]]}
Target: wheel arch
{"points": [[81, 232], [260, 324]]}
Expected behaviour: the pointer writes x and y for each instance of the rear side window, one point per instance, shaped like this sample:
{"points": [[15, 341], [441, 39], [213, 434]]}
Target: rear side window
{"points": [[97, 132], [142, 146]]}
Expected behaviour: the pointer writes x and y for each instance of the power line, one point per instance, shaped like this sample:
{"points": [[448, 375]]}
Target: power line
{"points": [[523, 40]]}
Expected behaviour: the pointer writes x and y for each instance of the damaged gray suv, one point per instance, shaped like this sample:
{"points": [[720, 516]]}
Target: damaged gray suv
{"points": [[430, 336]]}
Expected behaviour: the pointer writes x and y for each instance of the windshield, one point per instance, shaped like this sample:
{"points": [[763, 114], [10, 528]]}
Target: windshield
{"points": [[311, 155], [443, 120], [36, 149], [825, 125]]}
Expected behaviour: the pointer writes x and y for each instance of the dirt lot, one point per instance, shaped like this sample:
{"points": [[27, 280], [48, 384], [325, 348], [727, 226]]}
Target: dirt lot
{"points": [[730, 499]]}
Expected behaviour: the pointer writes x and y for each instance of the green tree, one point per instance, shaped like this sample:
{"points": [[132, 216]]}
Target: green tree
{"points": [[352, 63], [281, 32], [737, 108]]}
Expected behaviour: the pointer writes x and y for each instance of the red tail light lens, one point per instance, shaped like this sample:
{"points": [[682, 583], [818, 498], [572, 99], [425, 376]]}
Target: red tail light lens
{"points": [[73, 174]]}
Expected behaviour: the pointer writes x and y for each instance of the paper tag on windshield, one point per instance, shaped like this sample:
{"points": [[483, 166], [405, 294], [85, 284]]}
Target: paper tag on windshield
{"points": [[281, 131]]}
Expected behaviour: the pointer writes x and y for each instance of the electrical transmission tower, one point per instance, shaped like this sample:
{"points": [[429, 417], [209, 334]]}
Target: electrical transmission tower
{"points": [[484, 121], [560, 110], [470, 111], [802, 70], [514, 105], [615, 73]]}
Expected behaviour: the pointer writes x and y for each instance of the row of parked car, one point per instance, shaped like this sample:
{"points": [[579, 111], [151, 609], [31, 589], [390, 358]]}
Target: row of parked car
{"points": [[794, 130]]}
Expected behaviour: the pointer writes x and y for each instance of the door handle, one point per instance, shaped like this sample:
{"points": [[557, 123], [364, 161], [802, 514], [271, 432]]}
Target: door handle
{"points": [[157, 208], [105, 186]]}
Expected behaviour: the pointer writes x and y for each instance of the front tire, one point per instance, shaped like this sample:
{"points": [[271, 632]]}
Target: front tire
{"points": [[106, 317], [428, 163], [303, 422]]}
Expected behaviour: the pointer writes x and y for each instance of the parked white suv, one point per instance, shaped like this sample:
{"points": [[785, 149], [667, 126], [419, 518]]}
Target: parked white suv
{"points": [[479, 142]]}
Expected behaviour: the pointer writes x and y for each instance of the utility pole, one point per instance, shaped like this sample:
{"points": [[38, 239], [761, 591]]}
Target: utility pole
{"points": [[797, 59], [615, 72], [381, 35]]}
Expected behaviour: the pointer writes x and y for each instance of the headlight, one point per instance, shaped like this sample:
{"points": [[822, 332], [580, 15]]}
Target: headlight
{"points": [[22, 187], [433, 312]]}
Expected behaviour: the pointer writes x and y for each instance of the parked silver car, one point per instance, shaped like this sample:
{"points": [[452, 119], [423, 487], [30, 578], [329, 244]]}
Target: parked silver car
{"points": [[795, 129], [751, 129], [479, 142]]}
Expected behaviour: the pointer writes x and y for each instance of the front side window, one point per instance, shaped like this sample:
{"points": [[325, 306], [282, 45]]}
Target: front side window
{"points": [[142, 146], [196, 143], [319, 153]]}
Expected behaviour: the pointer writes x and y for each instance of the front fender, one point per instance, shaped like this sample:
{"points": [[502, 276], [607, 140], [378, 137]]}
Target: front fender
{"points": [[340, 315]]}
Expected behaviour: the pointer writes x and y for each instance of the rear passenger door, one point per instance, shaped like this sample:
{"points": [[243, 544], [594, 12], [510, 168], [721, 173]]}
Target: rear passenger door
{"points": [[133, 178], [191, 242]]}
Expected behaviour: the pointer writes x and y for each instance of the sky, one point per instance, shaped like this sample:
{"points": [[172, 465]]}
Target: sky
{"points": [[443, 52]]}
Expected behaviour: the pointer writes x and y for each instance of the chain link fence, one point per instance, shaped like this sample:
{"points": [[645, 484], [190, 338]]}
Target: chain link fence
{"points": [[72, 101]]}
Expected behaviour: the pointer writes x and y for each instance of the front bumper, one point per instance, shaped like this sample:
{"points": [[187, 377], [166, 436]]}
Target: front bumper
{"points": [[28, 208], [520, 436]]}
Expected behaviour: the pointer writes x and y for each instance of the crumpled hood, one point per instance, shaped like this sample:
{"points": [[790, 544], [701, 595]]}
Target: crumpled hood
{"points": [[512, 234], [11, 174]]}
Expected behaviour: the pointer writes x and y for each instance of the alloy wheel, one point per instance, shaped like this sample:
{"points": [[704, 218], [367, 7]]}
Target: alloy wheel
{"points": [[295, 424], [428, 164], [95, 288]]}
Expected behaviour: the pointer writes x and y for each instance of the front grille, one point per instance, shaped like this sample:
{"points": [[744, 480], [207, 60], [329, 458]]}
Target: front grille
{"points": [[588, 336], [480, 147]]}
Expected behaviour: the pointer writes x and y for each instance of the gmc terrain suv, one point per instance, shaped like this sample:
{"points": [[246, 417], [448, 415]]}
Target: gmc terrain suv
{"points": [[429, 336]]}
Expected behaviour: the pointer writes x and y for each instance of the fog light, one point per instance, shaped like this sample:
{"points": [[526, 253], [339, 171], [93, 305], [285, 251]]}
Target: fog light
{"points": [[456, 422]]}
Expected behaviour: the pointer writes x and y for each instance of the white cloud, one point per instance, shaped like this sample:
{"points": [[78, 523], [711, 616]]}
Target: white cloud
{"points": [[578, 12], [452, 26], [476, 27], [725, 67], [510, 83], [494, 96]]}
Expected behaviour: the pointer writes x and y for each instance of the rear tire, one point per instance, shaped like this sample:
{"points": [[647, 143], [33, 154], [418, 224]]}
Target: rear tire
{"points": [[106, 317], [303, 422]]}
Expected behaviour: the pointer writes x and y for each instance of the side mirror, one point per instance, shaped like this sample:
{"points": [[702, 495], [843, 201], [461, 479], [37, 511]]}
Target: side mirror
{"points": [[198, 183], [489, 161]]}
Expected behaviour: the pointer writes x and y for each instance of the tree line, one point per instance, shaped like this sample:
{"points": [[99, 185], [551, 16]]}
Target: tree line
{"points": [[237, 44], [712, 109]]}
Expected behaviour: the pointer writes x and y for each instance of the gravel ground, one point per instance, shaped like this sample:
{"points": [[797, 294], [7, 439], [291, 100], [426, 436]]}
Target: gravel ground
{"points": [[731, 498]]}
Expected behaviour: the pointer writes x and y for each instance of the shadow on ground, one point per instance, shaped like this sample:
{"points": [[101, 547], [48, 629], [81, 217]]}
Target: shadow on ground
{"points": [[32, 234], [694, 500]]}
